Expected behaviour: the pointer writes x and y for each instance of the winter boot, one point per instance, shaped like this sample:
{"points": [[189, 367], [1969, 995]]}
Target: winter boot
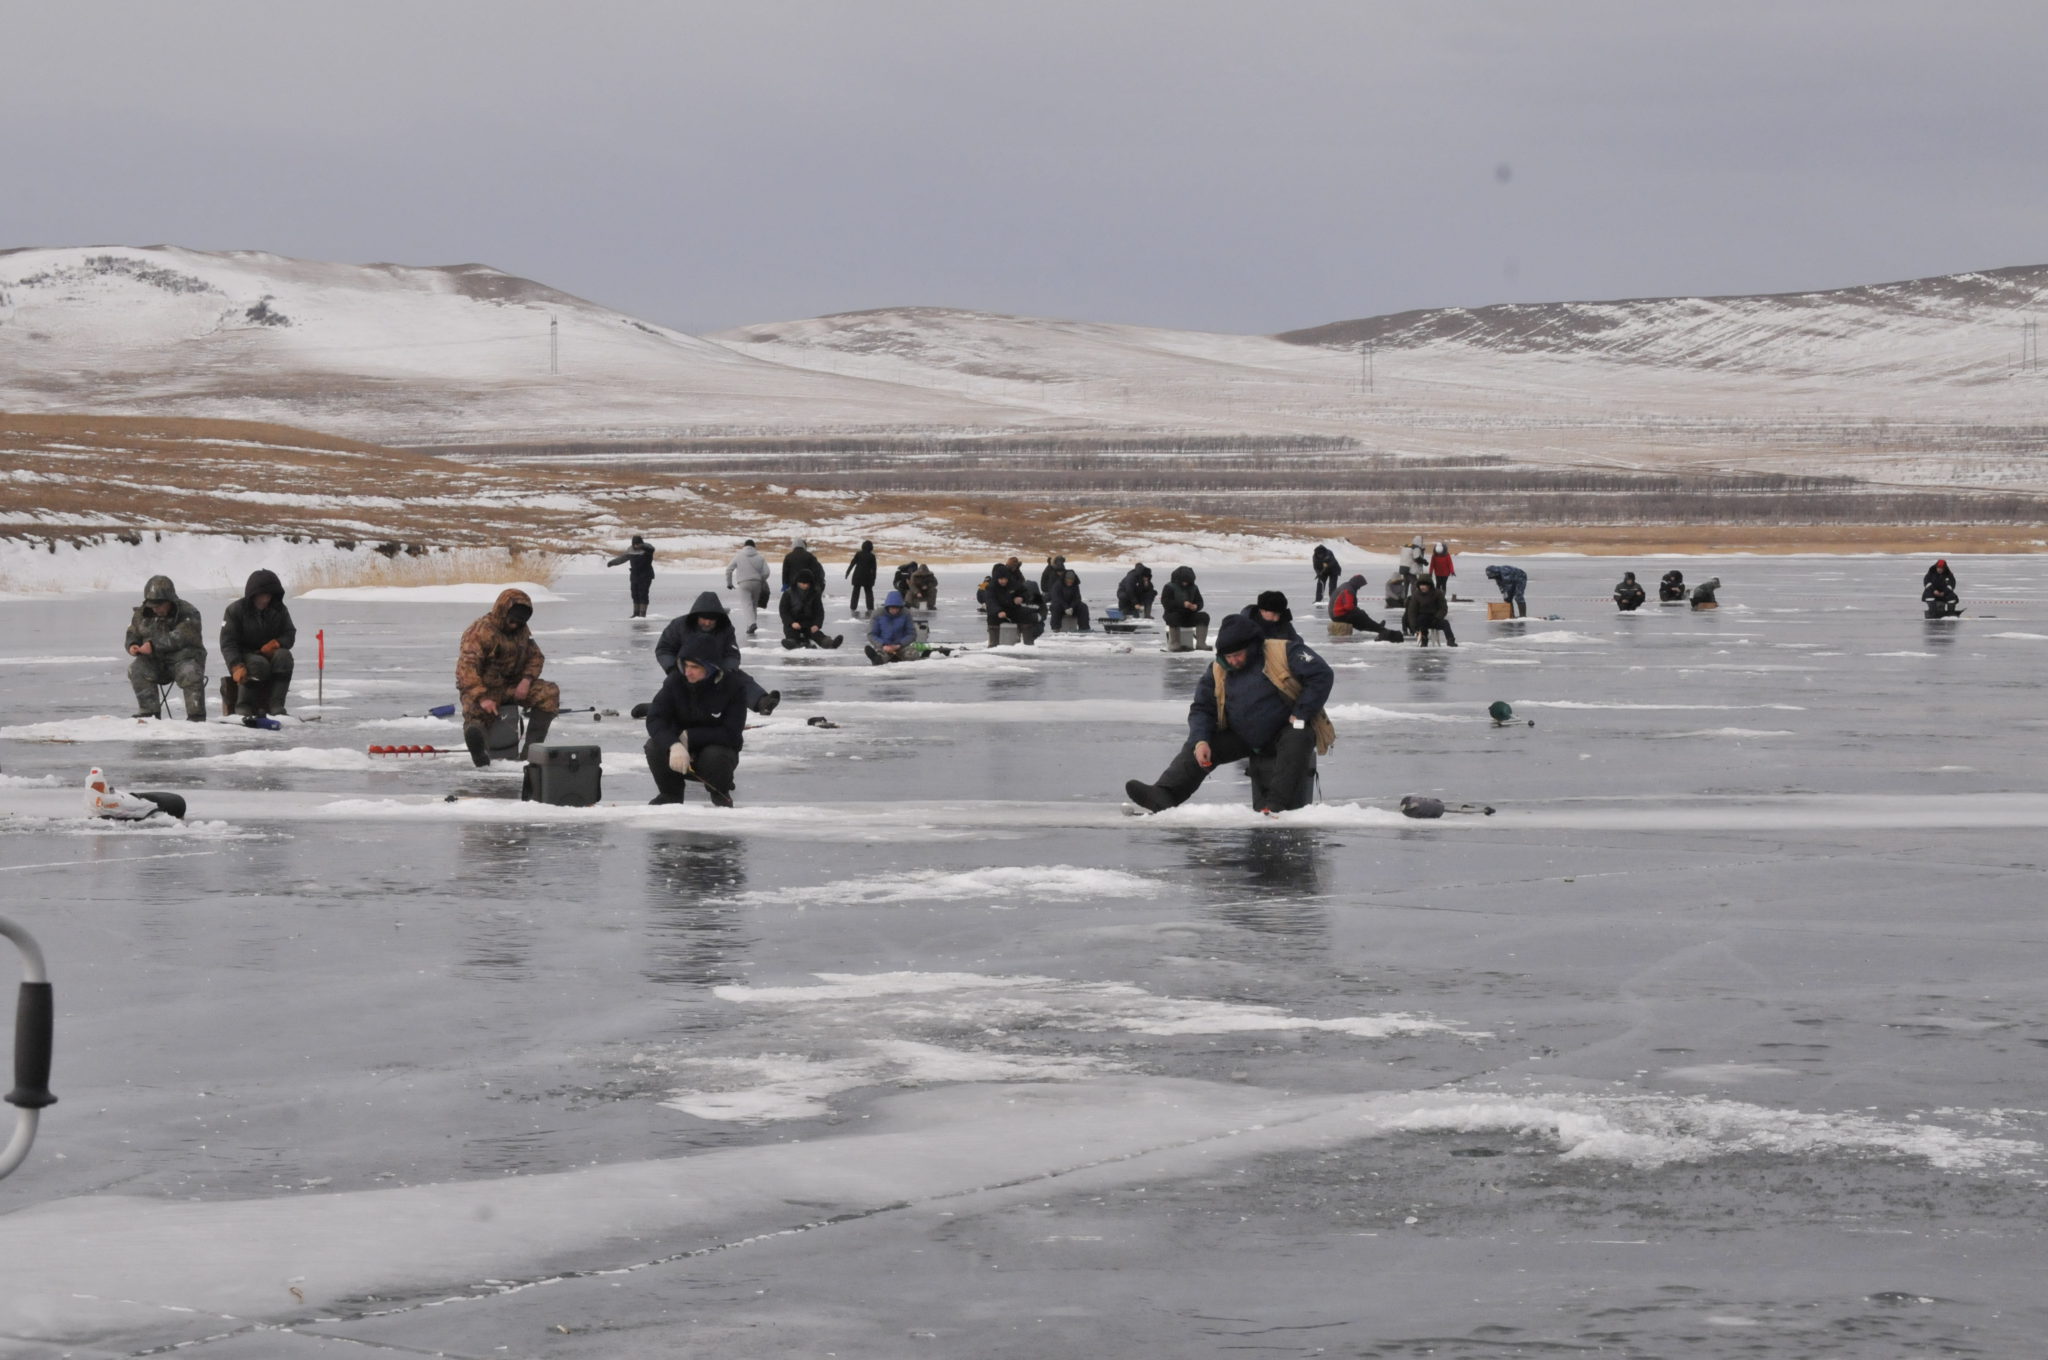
{"points": [[1150, 797], [875, 658], [229, 693], [195, 702], [274, 701], [768, 702], [1201, 637], [537, 725], [479, 743]]}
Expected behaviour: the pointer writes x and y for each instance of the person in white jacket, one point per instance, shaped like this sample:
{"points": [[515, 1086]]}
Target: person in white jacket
{"points": [[747, 574]]}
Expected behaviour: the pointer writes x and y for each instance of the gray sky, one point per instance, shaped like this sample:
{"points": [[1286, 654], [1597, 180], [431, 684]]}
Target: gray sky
{"points": [[1249, 166]]}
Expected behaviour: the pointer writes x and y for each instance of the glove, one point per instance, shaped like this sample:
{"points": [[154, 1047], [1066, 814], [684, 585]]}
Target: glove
{"points": [[240, 674], [269, 647]]}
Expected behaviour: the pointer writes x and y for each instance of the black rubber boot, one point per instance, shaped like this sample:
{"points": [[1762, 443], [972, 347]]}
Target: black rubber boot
{"points": [[768, 702], [537, 725], [1150, 797], [478, 743]]}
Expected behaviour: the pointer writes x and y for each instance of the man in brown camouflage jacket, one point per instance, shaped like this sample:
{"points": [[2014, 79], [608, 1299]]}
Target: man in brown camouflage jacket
{"points": [[499, 665]]}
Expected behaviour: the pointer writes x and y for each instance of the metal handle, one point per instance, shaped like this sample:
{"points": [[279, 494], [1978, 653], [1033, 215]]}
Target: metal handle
{"points": [[34, 1036]]}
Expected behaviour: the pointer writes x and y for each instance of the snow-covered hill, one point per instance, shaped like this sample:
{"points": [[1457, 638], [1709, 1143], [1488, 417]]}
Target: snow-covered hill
{"points": [[1916, 382], [393, 353]]}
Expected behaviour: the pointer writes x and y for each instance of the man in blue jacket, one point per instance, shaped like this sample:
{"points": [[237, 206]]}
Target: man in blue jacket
{"points": [[697, 724], [892, 633], [1261, 701], [1513, 581]]}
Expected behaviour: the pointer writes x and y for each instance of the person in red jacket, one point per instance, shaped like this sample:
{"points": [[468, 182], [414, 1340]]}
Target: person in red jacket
{"points": [[1345, 608], [1441, 568]]}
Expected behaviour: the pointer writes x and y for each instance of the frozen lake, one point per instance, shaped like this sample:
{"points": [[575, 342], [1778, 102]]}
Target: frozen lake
{"points": [[1725, 1036]]}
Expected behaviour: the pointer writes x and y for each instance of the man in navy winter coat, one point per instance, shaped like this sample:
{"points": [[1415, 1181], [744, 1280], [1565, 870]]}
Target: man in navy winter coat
{"points": [[697, 724], [892, 633], [709, 616], [1259, 723]]}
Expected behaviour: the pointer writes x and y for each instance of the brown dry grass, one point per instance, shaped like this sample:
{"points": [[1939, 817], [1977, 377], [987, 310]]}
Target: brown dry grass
{"points": [[457, 567], [84, 477]]}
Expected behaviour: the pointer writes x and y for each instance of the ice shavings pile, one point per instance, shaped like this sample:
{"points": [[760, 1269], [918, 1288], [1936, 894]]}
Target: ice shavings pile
{"points": [[1055, 883], [1654, 1131]]}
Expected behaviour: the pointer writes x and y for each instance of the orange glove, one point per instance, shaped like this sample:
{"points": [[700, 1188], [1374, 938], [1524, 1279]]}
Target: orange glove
{"points": [[270, 646], [240, 675]]}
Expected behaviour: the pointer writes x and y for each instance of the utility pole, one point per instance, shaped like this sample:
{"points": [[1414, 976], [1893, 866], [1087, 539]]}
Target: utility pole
{"points": [[554, 345], [2030, 346], [1365, 349]]}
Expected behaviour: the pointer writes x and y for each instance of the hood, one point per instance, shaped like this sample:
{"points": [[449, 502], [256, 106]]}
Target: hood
{"points": [[159, 590], [1238, 632], [1441, 550], [1000, 570], [1356, 583], [703, 648], [1142, 570], [1628, 576], [1941, 561], [508, 597], [1071, 578], [263, 581], [1183, 576], [709, 605], [805, 576], [801, 545], [893, 600], [867, 545], [1056, 561], [1493, 573]]}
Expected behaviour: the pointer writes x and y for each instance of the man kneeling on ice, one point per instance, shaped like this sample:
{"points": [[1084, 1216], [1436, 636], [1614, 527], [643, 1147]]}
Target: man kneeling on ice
{"points": [[256, 637], [1262, 701], [697, 724], [165, 640], [499, 666]]}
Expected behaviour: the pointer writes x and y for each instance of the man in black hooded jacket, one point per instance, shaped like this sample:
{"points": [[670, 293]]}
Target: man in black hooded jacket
{"points": [[256, 638], [697, 724], [1180, 605], [1135, 593], [1261, 701], [803, 614], [1008, 599], [708, 616], [861, 571]]}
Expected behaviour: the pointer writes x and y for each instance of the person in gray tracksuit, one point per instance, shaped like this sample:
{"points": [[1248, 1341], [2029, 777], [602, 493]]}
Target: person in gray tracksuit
{"points": [[748, 574]]}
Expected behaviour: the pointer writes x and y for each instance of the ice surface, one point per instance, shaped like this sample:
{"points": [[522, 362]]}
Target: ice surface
{"points": [[1733, 1006]]}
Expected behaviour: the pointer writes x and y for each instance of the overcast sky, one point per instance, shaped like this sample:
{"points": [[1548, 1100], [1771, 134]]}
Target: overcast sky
{"points": [[1251, 166]]}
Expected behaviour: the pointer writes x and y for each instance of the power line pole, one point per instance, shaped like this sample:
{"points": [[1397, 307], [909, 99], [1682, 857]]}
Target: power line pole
{"points": [[1365, 349], [554, 346], [2030, 346]]}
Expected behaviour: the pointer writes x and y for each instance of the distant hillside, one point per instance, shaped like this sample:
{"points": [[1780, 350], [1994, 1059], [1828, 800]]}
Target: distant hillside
{"points": [[1915, 387]]}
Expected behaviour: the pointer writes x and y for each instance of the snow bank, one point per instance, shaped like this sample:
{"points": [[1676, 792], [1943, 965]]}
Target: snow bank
{"points": [[195, 561]]}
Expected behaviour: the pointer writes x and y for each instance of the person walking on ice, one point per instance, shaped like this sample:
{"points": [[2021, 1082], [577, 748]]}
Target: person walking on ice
{"points": [[498, 667], [639, 561], [747, 574], [1261, 701], [166, 646]]}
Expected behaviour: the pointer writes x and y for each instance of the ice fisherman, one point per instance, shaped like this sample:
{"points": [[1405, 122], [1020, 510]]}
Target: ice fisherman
{"points": [[1671, 587], [800, 558], [1629, 593], [1513, 583], [1180, 606], [1272, 616], [708, 615], [167, 646], [1938, 591], [498, 666], [638, 559], [892, 633], [920, 586], [1399, 586], [1703, 593], [803, 614], [1324, 563], [1262, 701], [1135, 592], [1428, 612], [861, 572], [1007, 598], [256, 640], [1064, 601], [747, 573], [696, 725], [1346, 608]]}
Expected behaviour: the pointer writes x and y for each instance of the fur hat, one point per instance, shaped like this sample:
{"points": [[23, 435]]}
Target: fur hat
{"points": [[1277, 602]]}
